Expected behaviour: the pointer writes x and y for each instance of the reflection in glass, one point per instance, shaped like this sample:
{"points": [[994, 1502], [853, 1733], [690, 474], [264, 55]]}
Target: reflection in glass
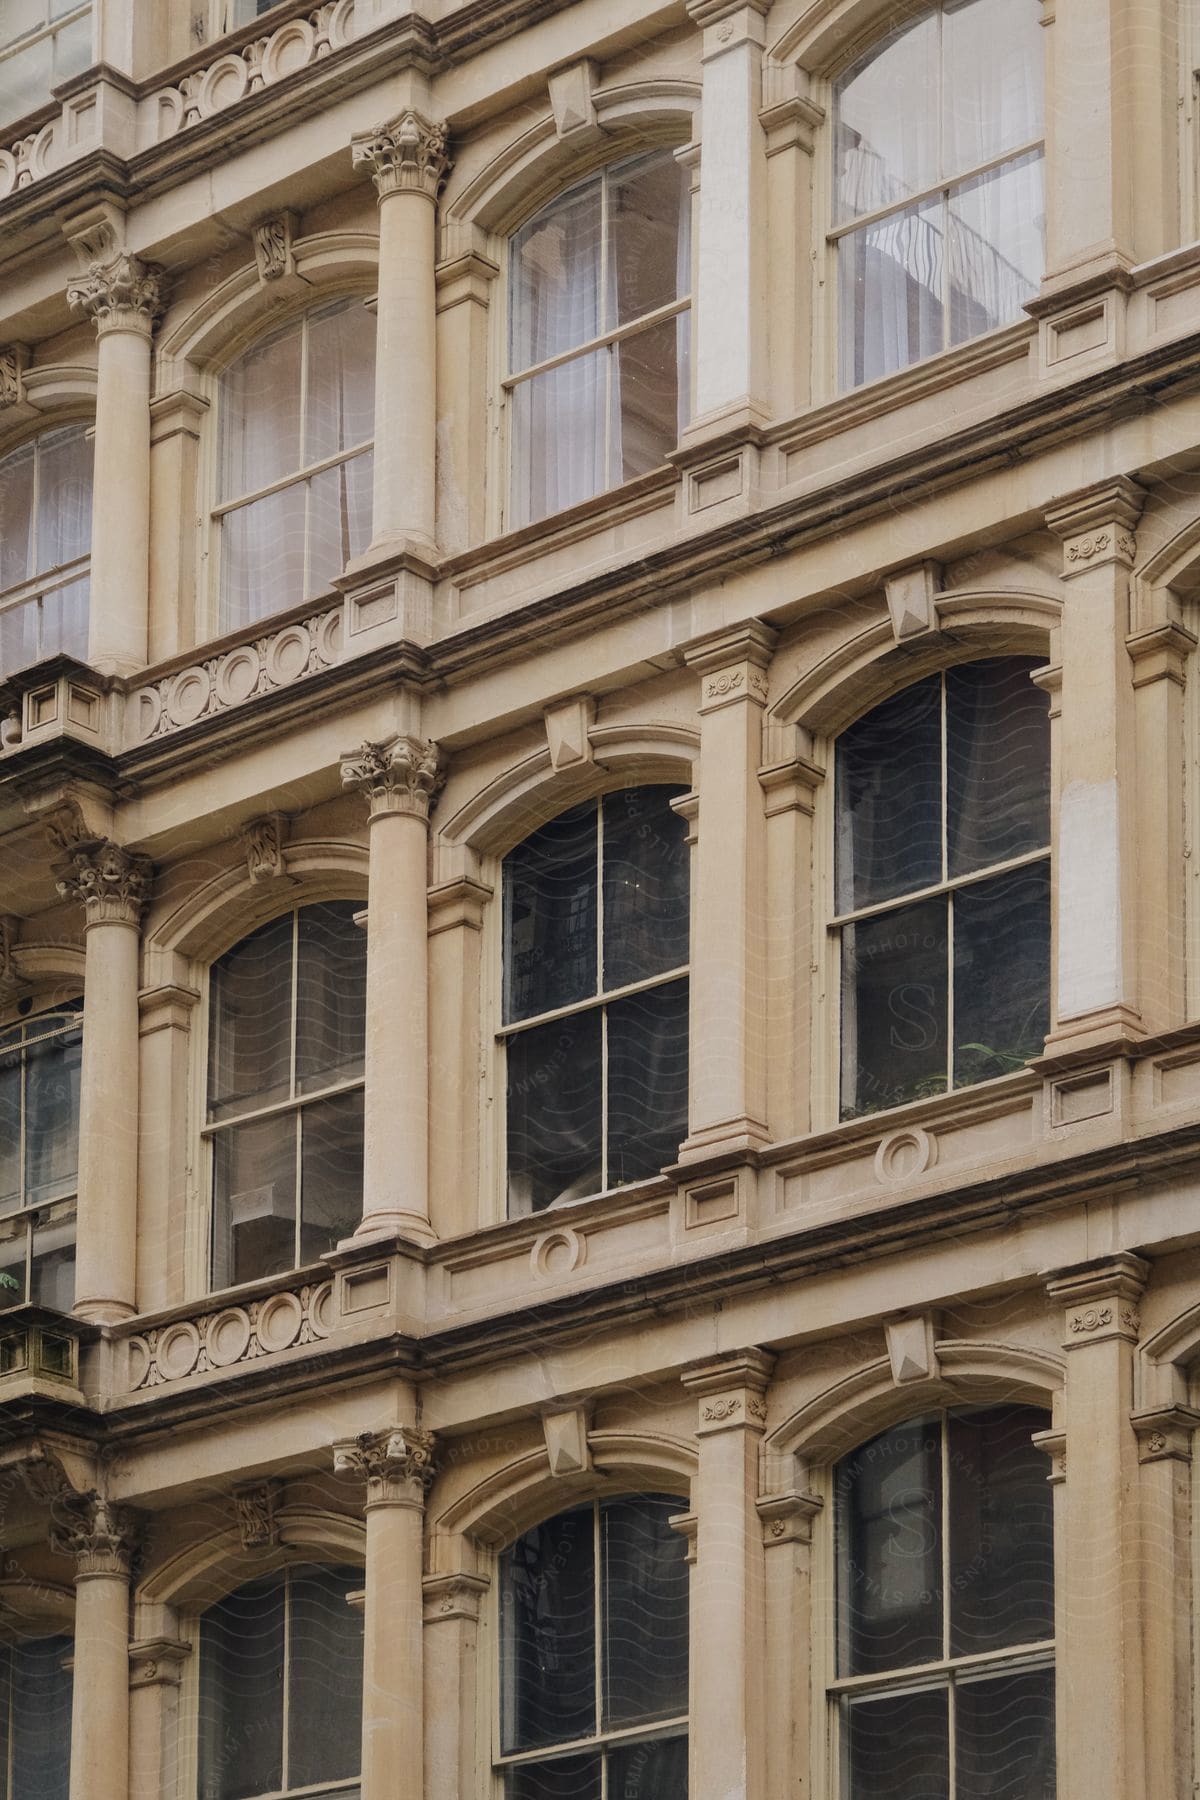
{"points": [[331, 994], [331, 1153], [249, 1032], [550, 888], [1001, 1531], [35, 1717], [889, 799], [1004, 1746], [254, 1199], [565, 1778], [647, 1081], [895, 994], [548, 1634], [555, 1129], [997, 763], [891, 293], [1001, 972], [645, 1602], [645, 885], [897, 1746], [890, 1568]]}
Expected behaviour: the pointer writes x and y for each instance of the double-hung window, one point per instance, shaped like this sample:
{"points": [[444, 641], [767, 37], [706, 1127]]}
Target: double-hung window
{"points": [[294, 495], [938, 210], [45, 542], [35, 1719], [942, 884], [39, 1157], [594, 1656], [598, 297], [596, 998], [944, 1686], [42, 42], [285, 1091], [280, 1708]]}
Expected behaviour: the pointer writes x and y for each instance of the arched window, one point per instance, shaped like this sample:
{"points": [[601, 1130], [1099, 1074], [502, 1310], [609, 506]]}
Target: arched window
{"points": [[596, 997], [39, 1157], [294, 501], [598, 335], [35, 1719], [942, 884], [594, 1655], [45, 541], [285, 1103], [281, 1688], [938, 208], [944, 1681], [42, 42]]}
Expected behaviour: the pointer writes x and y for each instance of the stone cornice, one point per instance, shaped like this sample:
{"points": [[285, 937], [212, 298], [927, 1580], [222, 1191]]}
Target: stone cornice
{"points": [[405, 156]]}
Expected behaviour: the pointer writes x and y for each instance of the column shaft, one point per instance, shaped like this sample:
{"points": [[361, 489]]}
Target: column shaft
{"points": [[100, 1691]]}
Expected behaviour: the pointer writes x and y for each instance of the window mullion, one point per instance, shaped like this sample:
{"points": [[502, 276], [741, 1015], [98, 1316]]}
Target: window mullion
{"points": [[600, 1624]]}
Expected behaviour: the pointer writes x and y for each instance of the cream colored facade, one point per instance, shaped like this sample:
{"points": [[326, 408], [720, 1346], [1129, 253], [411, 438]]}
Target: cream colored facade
{"points": [[724, 1331]]}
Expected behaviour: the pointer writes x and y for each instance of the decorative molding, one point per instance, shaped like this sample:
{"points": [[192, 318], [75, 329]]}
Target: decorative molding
{"points": [[731, 1391], [30, 158], [400, 775], [911, 1349], [110, 883], [1096, 526], [912, 600], [14, 360], [157, 1662], [397, 1464], [566, 1434], [573, 103], [122, 294], [262, 665], [1165, 1433], [273, 252], [567, 727], [1100, 1299], [448, 1597], [11, 982], [405, 156], [733, 667], [101, 1537], [1054, 1445], [787, 1518], [262, 840], [254, 1507], [230, 1335]]}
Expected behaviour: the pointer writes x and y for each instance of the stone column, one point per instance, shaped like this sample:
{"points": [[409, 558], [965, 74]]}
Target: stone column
{"points": [[112, 885], [451, 1683], [790, 781], [731, 383], [787, 1526], [397, 1465], [123, 297], [1165, 1436], [100, 1537], [456, 915], [399, 779], [407, 161], [1095, 996], [1098, 1603], [727, 1755], [727, 1031]]}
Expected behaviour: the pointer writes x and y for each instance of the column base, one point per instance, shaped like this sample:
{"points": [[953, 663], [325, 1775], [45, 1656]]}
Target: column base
{"points": [[733, 1137], [103, 1312], [1110, 1030], [413, 1227]]}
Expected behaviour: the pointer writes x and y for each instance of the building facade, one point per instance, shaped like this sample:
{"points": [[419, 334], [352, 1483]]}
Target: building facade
{"points": [[599, 942]]}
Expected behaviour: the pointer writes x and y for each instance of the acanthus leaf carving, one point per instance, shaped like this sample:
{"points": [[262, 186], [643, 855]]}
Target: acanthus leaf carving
{"points": [[273, 247], [401, 774], [101, 1536], [262, 840], [14, 360], [397, 1464], [121, 293], [254, 1504], [112, 884], [406, 155]]}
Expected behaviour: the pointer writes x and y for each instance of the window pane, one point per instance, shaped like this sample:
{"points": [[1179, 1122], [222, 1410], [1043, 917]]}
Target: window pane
{"points": [[647, 238], [557, 433], [554, 280], [890, 284], [52, 1266], [1001, 1531], [64, 526], [19, 637], [886, 122], [325, 1677], [889, 1498], [254, 1200], [646, 872], [339, 520], [570, 1778], [656, 1770], [14, 1253], [554, 1121], [331, 995], [997, 227], [52, 1119], [547, 1633], [72, 49], [331, 1172], [550, 916], [341, 381], [1005, 1738], [16, 508], [645, 1577], [241, 1693], [260, 415], [894, 1002], [993, 59], [647, 1081], [897, 1746], [41, 1719], [18, 18], [10, 1130], [645, 401], [25, 79], [262, 558], [997, 763], [64, 620], [889, 787], [1001, 973], [250, 1021]]}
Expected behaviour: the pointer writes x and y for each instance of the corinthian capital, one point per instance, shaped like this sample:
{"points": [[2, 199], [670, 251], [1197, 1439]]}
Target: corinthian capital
{"points": [[122, 294], [406, 156], [111, 884], [100, 1536], [397, 1464], [403, 774]]}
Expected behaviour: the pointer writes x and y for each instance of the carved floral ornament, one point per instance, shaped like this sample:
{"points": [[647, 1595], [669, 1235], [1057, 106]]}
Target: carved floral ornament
{"points": [[110, 883], [100, 1536], [14, 360], [122, 293], [402, 774], [396, 1464], [406, 156]]}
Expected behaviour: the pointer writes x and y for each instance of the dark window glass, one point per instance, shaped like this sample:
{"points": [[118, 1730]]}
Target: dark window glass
{"points": [[898, 1746], [645, 1597], [324, 1677], [997, 764], [39, 1157], [568, 1778], [250, 1021], [645, 886], [1001, 1532], [37, 1718], [895, 996], [890, 1571], [1001, 972], [550, 886], [651, 1769], [647, 1081], [331, 1167], [254, 1199], [889, 799], [548, 1629], [555, 1127], [1005, 1737], [331, 994]]}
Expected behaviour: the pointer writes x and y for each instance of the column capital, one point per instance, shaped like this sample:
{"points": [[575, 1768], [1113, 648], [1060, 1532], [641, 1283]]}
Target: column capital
{"points": [[1096, 525], [734, 666], [110, 883], [397, 1464], [1165, 1433], [731, 1390], [157, 1662], [405, 156], [400, 775], [122, 294], [1100, 1299], [448, 1597], [101, 1537], [788, 1518]]}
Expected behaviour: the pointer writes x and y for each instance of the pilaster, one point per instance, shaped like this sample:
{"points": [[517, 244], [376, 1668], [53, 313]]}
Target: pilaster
{"points": [[451, 1648], [101, 1539], [1165, 1436], [790, 781], [457, 910]]}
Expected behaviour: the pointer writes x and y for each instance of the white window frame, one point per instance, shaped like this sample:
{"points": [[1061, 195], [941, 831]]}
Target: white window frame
{"points": [[44, 582], [63, 1207]]}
